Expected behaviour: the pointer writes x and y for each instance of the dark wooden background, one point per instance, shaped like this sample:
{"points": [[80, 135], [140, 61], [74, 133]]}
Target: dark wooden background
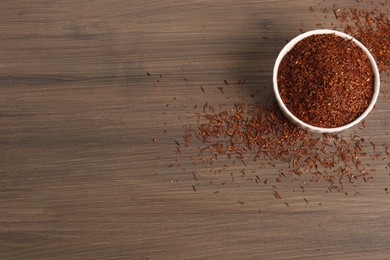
{"points": [[80, 175]]}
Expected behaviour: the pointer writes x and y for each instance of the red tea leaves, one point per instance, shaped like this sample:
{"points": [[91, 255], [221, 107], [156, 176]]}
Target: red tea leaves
{"points": [[277, 195], [262, 135], [326, 80], [372, 28]]}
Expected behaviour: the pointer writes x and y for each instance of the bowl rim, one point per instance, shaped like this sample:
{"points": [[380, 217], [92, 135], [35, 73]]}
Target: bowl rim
{"points": [[298, 121]]}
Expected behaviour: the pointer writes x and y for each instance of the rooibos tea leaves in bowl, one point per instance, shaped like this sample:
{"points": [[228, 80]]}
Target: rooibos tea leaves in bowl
{"points": [[327, 81]]}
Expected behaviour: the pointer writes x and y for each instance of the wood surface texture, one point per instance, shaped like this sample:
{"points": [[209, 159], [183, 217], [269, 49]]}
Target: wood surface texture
{"points": [[80, 177]]}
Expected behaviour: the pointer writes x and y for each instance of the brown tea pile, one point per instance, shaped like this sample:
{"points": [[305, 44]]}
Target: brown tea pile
{"points": [[367, 21], [326, 80], [262, 134], [370, 27]]}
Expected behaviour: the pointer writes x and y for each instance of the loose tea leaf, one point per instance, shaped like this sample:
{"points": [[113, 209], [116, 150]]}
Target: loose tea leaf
{"points": [[372, 28], [326, 80], [260, 135]]}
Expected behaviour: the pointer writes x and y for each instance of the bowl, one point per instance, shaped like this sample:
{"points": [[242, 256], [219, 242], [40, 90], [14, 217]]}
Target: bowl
{"points": [[299, 122]]}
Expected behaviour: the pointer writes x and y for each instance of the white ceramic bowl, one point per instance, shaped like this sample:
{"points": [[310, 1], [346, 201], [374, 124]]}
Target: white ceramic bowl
{"points": [[299, 122]]}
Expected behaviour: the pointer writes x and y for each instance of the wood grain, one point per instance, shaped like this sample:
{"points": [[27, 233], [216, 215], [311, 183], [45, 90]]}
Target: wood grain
{"points": [[80, 175]]}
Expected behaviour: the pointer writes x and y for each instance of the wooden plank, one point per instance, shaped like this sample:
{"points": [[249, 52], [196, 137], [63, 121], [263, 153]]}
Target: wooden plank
{"points": [[81, 177]]}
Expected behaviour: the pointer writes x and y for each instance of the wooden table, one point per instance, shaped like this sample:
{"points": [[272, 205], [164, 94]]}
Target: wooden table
{"points": [[81, 177]]}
